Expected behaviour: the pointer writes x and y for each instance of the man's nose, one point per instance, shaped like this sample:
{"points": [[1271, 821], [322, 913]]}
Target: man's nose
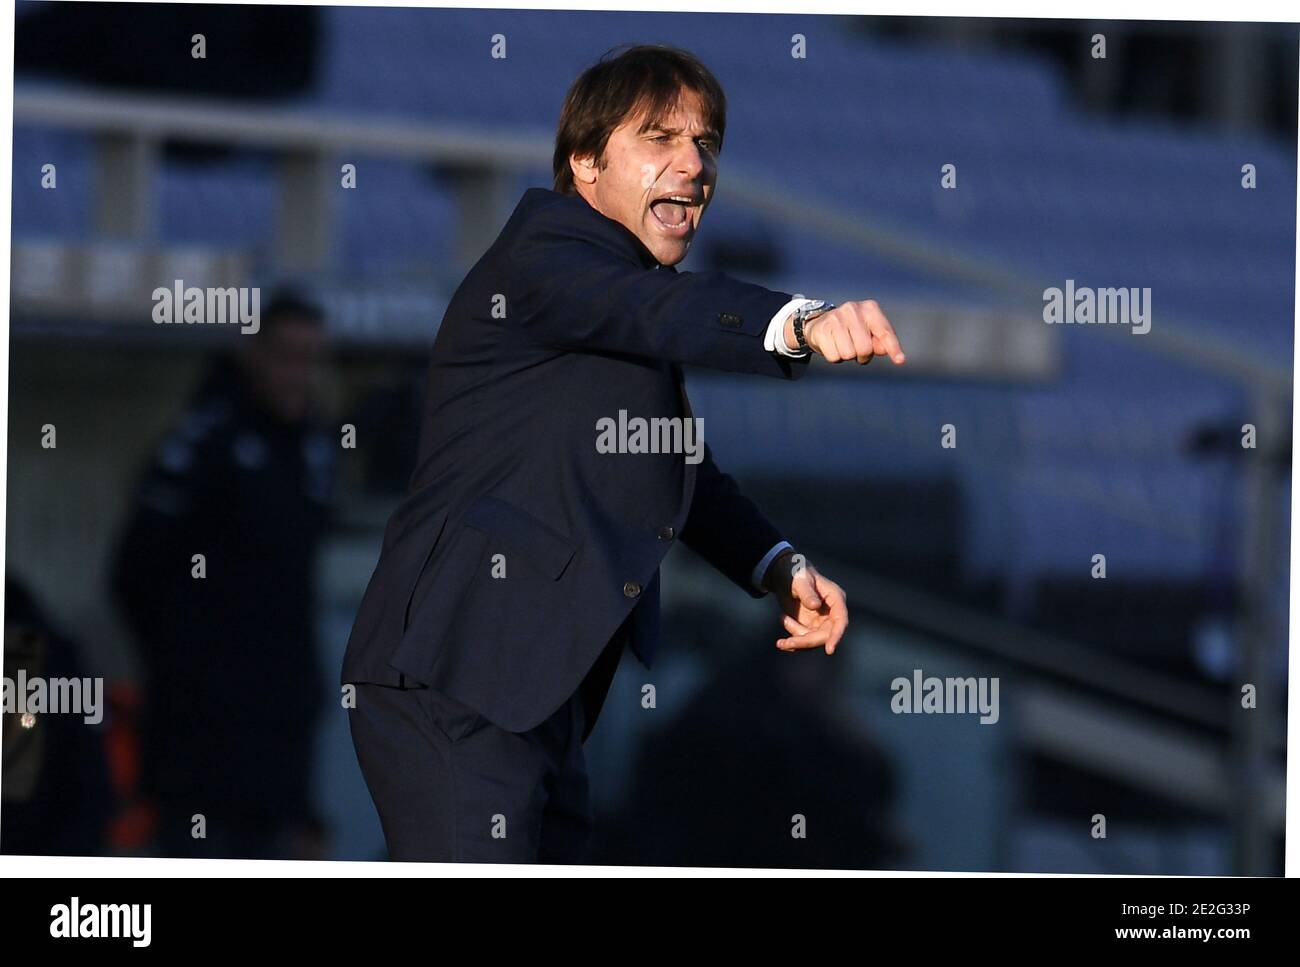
{"points": [[690, 160]]}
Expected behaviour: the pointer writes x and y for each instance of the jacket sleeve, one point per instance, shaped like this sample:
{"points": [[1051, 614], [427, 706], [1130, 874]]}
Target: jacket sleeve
{"points": [[576, 284], [724, 526]]}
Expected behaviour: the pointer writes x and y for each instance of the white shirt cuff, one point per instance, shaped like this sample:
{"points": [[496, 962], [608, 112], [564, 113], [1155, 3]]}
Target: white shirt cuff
{"points": [[774, 339], [756, 578]]}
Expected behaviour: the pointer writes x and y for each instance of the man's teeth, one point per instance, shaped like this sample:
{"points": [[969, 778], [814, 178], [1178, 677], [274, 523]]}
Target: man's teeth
{"points": [[673, 205]]}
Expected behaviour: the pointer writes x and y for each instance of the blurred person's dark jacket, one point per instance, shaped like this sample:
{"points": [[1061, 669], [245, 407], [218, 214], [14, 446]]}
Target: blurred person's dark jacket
{"points": [[720, 784], [234, 685], [57, 793]]}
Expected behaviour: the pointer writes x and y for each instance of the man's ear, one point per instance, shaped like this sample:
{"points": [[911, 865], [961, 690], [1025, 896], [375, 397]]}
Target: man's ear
{"points": [[248, 353], [584, 169]]}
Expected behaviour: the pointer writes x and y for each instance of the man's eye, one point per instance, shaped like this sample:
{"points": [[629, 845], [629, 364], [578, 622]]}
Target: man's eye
{"points": [[660, 137], [705, 143]]}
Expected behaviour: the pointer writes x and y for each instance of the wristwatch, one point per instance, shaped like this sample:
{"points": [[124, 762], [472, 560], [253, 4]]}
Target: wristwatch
{"points": [[809, 310]]}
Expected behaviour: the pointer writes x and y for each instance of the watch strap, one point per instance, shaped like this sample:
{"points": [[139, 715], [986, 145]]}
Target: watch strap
{"points": [[807, 311]]}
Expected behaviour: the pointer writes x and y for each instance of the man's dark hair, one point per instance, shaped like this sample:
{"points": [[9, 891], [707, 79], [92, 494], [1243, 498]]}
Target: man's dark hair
{"points": [[644, 81], [289, 303]]}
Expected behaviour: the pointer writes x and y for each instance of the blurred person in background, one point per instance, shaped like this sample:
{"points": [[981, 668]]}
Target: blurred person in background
{"points": [[232, 680], [767, 741], [57, 793]]}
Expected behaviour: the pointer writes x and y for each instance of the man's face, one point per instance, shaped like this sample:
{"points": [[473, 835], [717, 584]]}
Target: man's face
{"points": [[675, 157], [284, 363]]}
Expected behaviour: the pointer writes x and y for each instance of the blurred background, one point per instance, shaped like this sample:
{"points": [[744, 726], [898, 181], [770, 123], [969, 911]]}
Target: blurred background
{"points": [[134, 164]]}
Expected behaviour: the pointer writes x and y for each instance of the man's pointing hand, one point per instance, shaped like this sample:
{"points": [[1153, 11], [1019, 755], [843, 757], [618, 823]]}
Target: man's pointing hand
{"points": [[853, 330]]}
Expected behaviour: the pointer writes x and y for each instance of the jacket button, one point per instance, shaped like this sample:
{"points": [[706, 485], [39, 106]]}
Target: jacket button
{"points": [[667, 533], [631, 589], [730, 320]]}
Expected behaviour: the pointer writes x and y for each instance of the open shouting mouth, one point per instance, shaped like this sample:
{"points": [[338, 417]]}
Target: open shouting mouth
{"points": [[673, 212]]}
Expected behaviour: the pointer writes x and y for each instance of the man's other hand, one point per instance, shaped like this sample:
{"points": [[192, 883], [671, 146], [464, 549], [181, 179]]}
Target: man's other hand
{"points": [[854, 330], [816, 612]]}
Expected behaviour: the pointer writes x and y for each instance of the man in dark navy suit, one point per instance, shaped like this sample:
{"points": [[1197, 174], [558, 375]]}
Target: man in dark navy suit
{"points": [[526, 554]]}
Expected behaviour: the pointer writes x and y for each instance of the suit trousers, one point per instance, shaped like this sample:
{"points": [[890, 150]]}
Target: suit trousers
{"points": [[451, 787]]}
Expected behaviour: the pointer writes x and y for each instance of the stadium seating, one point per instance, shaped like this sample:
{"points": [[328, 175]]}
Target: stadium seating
{"points": [[1092, 461]]}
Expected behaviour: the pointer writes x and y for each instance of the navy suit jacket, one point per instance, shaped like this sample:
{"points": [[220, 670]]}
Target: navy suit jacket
{"points": [[565, 320]]}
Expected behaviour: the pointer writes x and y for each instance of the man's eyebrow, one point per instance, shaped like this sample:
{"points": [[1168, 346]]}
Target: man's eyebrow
{"points": [[656, 126]]}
